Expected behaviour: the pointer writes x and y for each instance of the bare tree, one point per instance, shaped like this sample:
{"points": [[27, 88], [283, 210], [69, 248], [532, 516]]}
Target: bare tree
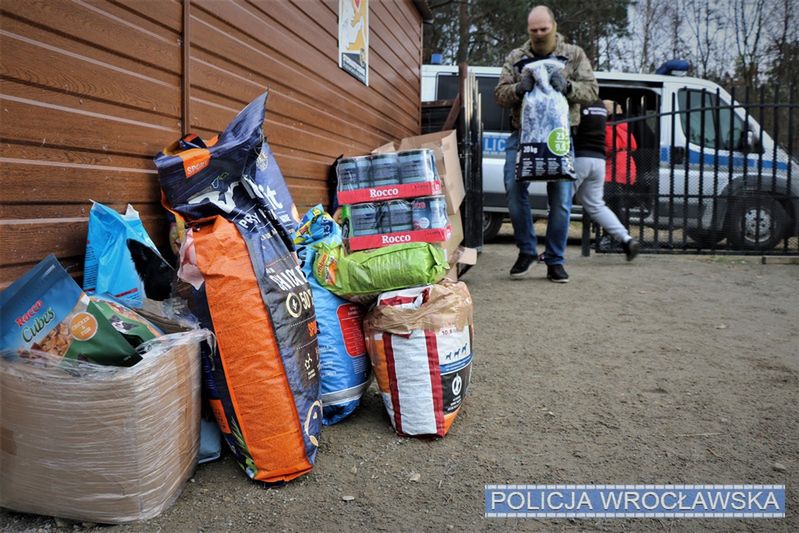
{"points": [[649, 37], [704, 30], [748, 22]]}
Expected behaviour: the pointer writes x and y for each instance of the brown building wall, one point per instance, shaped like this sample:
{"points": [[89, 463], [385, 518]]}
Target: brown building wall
{"points": [[91, 90]]}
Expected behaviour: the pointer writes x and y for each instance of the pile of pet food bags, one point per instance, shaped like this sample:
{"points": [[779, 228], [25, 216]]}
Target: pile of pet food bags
{"points": [[304, 313], [284, 320], [400, 228]]}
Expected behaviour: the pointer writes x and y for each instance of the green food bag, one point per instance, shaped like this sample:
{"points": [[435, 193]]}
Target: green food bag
{"points": [[362, 275]]}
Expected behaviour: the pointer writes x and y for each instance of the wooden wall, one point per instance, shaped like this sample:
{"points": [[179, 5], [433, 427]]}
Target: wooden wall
{"points": [[91, 90]]}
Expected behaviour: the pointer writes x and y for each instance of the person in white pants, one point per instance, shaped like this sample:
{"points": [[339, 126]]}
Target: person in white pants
{"points": [[589, 164]]}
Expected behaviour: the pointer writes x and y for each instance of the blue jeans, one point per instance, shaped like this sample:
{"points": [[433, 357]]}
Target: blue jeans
{"points": [[559, 194]]}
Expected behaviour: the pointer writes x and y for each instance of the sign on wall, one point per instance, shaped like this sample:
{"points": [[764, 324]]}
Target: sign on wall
{"points": [[353, 38]]}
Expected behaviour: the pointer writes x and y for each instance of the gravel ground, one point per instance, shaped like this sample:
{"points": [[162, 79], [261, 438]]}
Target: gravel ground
{"points": [[669, 369]]}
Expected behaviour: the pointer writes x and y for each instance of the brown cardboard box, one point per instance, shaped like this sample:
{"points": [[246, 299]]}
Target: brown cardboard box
{"points": [[105, 444], [457, 235], [445, 146], [461, 256], [457, 254], [388, 147]]}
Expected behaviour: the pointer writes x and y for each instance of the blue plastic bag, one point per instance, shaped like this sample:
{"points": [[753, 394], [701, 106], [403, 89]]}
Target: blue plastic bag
{"points": [[343, 361], [122, 260]]}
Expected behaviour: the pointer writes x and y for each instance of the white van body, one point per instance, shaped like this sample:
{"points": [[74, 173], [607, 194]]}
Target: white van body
{"points": [[682, 201]]}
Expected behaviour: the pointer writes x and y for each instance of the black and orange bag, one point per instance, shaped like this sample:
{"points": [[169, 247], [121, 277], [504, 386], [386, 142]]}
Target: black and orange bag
{"points": [[263, 380]]}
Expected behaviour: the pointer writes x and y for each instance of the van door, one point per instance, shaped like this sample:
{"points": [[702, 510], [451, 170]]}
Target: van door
{"points": [[725, 177], [708, 153]]}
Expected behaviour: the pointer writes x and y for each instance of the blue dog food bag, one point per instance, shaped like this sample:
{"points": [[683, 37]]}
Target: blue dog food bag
{"points": [[343, 360]]}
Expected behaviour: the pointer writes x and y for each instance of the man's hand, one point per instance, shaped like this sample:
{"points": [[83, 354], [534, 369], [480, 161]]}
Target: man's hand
{"points": [[525, 84], [558, 82]]}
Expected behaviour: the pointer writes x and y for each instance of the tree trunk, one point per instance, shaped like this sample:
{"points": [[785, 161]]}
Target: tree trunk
{"points": [[464, 27]]}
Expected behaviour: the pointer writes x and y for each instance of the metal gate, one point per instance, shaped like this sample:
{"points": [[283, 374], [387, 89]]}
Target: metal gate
{"points": [[463, 113], [711, 175]]}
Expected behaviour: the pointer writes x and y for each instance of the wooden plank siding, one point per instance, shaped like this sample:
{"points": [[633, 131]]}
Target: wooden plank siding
{"points": [[91, 90]]}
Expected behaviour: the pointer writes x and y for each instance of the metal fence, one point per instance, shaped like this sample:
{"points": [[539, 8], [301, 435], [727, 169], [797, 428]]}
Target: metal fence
{"points": [[713, 175]]}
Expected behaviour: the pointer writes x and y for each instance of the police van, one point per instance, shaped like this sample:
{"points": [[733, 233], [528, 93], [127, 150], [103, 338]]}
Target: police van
{"points": [[704, 164]]}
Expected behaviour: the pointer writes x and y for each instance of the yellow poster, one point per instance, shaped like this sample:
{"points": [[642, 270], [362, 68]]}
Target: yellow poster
{"points": [[353, 38]]}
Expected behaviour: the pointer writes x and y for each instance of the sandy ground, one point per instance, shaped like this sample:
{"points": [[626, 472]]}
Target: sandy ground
{"points": [[669, 369]]}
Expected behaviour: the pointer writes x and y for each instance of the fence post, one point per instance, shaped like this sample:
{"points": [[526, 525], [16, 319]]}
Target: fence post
{"points": [[585, 241]]}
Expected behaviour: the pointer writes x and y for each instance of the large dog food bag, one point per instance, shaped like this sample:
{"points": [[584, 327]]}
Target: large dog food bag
{"points": [[420, 344], [343, 362], [263, 380], [545, 151]]}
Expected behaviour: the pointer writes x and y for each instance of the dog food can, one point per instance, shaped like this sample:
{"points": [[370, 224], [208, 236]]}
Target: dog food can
{"points": [[430, 212], [353, 173], [385, 169], [396, 215], [417, 166], [363, 219]]}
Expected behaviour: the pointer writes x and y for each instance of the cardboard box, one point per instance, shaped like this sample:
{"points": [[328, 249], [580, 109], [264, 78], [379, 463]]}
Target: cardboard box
{"points": [[445, 146], [456, 237], [461, 256], [100, 444], [388, 147]]}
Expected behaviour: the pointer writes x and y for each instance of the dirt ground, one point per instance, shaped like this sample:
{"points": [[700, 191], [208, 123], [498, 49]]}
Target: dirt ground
{"points": [[669, 369]]}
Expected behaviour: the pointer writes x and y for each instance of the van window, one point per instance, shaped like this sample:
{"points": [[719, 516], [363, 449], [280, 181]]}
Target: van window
{"points": [[718, 131], [495, 118]]}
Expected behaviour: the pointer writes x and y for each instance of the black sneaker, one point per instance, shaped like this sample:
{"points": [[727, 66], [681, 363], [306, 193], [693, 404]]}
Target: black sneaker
{"points": [[557, 274], [522, 265], [631, 249]]}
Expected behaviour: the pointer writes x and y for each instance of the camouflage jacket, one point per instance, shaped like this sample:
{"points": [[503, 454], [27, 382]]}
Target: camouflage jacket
{"points": [[583, 90]]}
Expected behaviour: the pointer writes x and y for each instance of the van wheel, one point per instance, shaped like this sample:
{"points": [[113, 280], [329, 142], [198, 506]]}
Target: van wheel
{"points": [[757, 222], [492, 222]]}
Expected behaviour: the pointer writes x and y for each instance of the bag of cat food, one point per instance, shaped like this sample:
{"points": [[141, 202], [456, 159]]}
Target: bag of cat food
{"points": [[263, 378], [545, 149], [420, 344], [343, 362]]}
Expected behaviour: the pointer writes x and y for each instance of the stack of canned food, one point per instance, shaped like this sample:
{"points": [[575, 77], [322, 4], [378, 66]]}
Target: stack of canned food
{"points": [[429, 212], [393, 168]]}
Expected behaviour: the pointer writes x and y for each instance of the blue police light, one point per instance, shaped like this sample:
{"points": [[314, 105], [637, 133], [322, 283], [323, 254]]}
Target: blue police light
{"points": [[437, 59], [674, 67]]}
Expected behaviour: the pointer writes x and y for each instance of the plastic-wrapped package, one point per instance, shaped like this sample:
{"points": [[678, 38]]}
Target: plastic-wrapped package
{"points": [[99, 443], [545, 150], [420, 344], [344, 367], [360, 276]]}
